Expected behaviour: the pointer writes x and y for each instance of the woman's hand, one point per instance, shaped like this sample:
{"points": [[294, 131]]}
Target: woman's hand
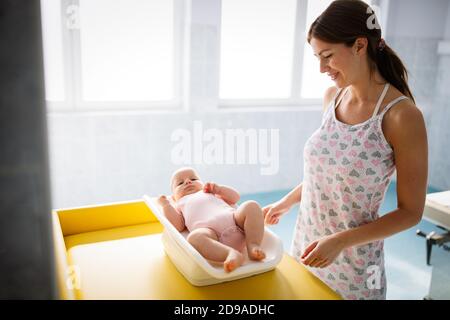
{"points": [[321, 253], [273, 212], [210, 187]]}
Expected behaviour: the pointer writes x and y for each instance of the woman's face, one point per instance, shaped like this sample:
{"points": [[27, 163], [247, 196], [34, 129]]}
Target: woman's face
{"points": [[341, 63]]}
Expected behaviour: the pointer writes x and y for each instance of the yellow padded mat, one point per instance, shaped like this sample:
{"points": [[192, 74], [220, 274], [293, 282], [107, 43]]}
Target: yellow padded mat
{"points": [[134, 266], [123, 258]]}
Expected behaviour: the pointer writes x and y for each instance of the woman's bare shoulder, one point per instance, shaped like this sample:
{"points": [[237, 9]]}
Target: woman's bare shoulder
{"points": [[404, 117], [404, 110], [328, 96]]}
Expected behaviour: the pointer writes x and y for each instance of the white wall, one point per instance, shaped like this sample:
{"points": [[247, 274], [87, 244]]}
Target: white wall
{"points": [[99, 158], [438, 129], [417, 18], [447, 24]]}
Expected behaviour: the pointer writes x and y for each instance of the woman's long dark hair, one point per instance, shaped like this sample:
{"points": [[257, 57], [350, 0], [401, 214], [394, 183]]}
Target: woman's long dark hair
{"points": [[346, 20]]}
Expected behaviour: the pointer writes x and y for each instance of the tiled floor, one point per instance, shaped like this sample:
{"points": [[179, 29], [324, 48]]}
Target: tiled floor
{"points": [[408, 275]]}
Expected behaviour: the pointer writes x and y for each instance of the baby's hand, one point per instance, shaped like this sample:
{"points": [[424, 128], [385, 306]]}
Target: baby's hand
{"points": [[210, 187], [163, 201]]}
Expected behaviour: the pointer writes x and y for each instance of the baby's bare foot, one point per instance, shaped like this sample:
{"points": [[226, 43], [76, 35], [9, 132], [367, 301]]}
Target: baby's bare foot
{"points": [[255, 252], [234, 260]]}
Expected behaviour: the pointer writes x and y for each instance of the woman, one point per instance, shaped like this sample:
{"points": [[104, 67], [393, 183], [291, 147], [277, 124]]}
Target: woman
{"points": [[370, 128]]}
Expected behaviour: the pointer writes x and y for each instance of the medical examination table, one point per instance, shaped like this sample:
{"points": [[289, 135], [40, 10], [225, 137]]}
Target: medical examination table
{"points": [[437, 211], [114, 251]]}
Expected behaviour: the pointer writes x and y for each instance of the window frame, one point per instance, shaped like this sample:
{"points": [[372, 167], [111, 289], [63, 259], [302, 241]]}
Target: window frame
{"points": [[295, 99], [182, 101], [72, 69]]}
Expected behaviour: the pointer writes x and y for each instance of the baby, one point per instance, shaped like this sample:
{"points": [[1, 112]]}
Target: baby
{"points": [[217, 229]]}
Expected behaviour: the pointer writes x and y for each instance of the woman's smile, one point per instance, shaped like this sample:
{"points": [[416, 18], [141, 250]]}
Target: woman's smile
{"points": [[333, 76]]}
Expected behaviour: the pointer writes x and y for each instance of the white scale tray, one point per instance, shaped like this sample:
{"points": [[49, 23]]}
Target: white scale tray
{"points": [[196, 269]]}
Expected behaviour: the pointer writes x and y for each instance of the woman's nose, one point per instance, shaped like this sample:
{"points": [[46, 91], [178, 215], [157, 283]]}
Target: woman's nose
{"points": [[323, 66]]}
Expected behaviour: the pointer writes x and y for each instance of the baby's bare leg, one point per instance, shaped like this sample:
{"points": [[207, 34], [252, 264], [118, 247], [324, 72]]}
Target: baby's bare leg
{"points": [[250, 218], [205, 241]]}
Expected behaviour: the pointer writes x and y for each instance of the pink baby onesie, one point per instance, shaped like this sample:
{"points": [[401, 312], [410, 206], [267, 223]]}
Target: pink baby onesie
{"points": [[347, 169], [205, 210]]}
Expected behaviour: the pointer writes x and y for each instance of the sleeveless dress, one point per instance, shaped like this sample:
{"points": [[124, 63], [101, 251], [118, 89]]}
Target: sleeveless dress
{"points": [[347, 169]]}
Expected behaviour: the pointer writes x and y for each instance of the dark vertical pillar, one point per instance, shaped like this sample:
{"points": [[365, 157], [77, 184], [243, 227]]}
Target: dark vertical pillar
{"points": [[26, 249]]}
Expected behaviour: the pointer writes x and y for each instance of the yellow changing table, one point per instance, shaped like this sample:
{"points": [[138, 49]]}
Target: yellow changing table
{"points": [[114, 251]]}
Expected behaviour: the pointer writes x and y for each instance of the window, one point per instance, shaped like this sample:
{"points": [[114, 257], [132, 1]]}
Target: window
{"points": [[117, 52], [129, 53], [257, 47], [264, 53], [127, 50], [53, 50]]}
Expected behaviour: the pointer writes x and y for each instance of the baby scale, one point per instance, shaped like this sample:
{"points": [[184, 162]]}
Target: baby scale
{"points": [[199, 271]]}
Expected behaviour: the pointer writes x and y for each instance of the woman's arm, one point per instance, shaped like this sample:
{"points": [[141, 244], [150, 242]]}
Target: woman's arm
{"points": [[294, 196], [273, 212], [405, 130]]}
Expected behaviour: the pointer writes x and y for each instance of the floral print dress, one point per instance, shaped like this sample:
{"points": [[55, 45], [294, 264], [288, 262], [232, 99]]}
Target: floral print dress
{"points": [[347, 169]]}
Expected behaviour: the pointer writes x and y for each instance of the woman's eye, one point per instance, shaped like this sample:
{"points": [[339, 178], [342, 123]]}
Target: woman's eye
{"points": [[329, 56]]}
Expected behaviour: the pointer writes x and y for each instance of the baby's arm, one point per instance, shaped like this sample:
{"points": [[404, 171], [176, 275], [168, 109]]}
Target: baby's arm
{"points": [[227, 194], [171, 213]]}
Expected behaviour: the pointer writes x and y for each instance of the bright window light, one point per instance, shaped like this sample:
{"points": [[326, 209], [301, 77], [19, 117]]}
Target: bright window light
{"points": [[257, 46], [127, 50], [53, 50]]}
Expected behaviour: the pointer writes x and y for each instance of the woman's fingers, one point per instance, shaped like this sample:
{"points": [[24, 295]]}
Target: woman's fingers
{"points": [[271, 217], [309, 248], [315, 262], [267, 212], [274, 220], [268, 219], [323, 264], [271, 214]]}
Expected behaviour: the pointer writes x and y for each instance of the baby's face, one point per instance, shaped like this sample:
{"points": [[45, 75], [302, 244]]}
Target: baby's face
{"points": [[185, 182]]}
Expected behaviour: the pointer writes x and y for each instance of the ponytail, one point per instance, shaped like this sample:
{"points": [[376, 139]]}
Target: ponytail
{"points": [[393, 70]]}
